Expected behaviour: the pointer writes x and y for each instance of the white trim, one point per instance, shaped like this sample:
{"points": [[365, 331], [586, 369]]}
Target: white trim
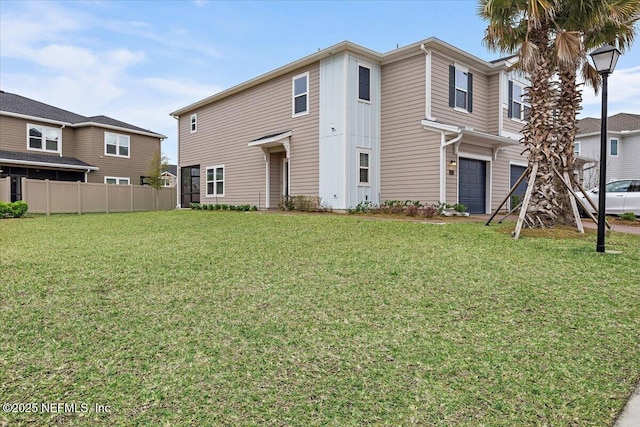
{"points": [[128, 156], [366, 151], [120, 129], [34, 118], [215, 181], [501, 102], [193, 123], [118, 179], [578, 145], [521, 102], [43, 139], [293, 95], [286, 183], [50, 165]]}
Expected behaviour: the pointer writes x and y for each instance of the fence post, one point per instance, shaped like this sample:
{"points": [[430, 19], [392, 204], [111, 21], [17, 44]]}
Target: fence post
{"points": [[79, 197], [106, 192], [130, 198], [47, 196]]}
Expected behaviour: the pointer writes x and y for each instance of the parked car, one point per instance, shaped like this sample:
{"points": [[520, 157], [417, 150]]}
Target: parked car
{"points": [[622, 196]]}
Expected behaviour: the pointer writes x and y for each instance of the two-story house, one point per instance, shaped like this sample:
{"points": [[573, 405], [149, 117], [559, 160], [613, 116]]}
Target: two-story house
{"points": [[425, 122], [40, 141], [623, 147]]}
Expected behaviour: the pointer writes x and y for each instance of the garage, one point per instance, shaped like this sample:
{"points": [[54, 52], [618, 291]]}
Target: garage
{"points": [[518, 194], [472, 185]]}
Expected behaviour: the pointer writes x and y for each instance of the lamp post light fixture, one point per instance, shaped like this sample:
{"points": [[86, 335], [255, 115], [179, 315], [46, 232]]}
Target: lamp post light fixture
{"points": [[604, 61]]}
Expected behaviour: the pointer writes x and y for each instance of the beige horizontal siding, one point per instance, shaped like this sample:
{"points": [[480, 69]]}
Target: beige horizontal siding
{"points": [[478, 119], [494, 104], [226, 127]]}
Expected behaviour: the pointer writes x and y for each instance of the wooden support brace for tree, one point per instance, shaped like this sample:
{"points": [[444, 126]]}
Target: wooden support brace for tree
{"points": [[595, 208], [525, 201], [513, 188], [510, 212], [572, 197]]}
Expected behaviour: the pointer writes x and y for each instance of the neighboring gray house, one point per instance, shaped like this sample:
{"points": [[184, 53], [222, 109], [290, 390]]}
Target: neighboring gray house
{"points": [[623, 147], [426, 122]]}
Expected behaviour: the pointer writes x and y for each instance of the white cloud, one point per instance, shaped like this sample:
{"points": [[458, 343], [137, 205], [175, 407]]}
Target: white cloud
{"points": [[623, 94]]}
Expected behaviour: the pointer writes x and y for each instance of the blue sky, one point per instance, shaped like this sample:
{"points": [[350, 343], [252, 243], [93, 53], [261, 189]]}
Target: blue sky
{"points": [[137, 61]]}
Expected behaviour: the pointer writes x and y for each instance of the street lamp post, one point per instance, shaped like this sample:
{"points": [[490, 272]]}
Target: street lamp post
{"points": [[604, 61]]}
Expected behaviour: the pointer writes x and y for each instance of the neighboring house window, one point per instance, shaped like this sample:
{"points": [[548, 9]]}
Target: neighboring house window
{"points": [[194, 123], [43, 138], [363, 167], [300, 87], [613, 147], [115, 180], [364, 83], [576, 148], [215, 180], [518, 108], [116, 144], [460, 88]]}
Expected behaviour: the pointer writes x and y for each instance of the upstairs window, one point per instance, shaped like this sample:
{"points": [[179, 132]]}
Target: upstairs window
{"points": [[460, 88], [215, 181], [300, 90], [194, 123], [518, 108], [613, 147], [576, 148], [115, 180], [364, 83], [43, 138], [363, 167], [116, 144]]}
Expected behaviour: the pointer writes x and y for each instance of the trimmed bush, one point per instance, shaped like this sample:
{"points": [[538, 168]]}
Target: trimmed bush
{"points": [[13, 210]]}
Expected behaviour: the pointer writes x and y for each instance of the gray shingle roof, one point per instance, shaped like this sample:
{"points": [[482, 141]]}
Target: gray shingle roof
{"points": [[42, 158], [173, 169], [616, 123], [12, 103]]}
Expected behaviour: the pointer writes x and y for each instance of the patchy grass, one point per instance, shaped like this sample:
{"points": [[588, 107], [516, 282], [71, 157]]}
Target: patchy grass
{"points": [[226, 318]]}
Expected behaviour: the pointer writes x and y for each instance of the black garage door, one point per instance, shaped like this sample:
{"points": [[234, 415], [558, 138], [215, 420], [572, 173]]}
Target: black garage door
{"points": [[472, 188], [518, 194]]}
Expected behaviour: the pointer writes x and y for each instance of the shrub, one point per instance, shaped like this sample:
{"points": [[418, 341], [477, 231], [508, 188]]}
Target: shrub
{"points": [[429, 211], [302, 204], [13, 210], [459, 207], [194, 205], [411, 210], [628, 216]]}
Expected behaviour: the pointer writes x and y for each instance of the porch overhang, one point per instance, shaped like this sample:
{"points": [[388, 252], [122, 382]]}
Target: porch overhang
{"points": [[44, 161], [273, 141]]}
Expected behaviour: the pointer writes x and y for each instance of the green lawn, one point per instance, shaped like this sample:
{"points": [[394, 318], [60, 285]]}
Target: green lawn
{"points": [[227, 318]]}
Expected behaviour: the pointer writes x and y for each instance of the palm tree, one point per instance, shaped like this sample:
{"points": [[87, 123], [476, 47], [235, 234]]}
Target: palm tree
{"points": [[571, 27], [582, 26], [523, 27]]}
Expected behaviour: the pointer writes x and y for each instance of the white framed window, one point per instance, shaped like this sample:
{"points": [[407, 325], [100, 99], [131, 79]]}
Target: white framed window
{"points": [[300, 94], [117, 180], [364, 167], [116, 145], [576, 148], [518, 108], [194, 123], [215, 181], [364, 83], [613, 147], [43, 138]]}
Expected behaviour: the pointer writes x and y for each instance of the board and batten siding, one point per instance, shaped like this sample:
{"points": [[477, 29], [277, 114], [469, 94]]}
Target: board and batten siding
{"points": [[226, 126], [409, 155]]}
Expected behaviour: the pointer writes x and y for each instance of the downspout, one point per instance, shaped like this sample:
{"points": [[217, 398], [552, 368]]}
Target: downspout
{"points": [[61, 131], [443, 158]]}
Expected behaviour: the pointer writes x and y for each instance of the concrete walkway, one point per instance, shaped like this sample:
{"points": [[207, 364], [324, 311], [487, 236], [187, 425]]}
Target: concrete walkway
{"points": [[630, 416]]}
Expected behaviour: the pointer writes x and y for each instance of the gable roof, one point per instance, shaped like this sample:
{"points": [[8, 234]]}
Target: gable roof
{"points": [[617, 123], [20, 106], [381, 58]]}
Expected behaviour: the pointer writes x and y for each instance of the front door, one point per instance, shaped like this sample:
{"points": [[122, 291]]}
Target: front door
{"points": [[473, 185]]}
